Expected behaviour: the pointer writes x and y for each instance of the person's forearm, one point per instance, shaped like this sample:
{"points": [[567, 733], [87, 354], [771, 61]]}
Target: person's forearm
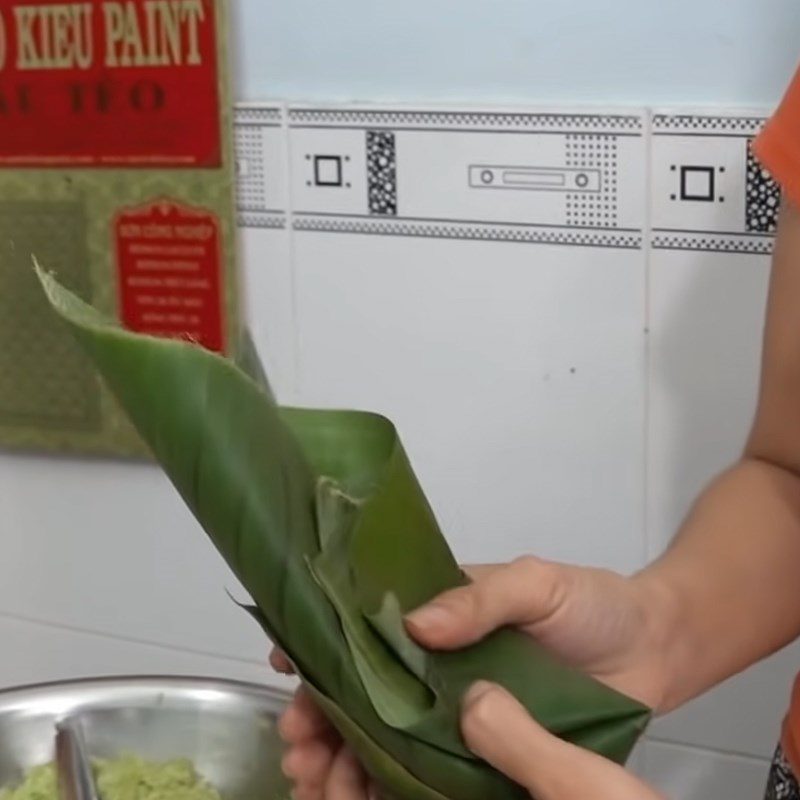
{"points": [[728, 588]]}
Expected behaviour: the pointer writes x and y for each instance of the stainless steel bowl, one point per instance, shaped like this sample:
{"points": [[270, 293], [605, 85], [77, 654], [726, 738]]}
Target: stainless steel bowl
{"points": [[227, 729]]}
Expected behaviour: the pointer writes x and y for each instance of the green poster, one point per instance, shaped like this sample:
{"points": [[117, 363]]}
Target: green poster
{"points": [[116, 173]]}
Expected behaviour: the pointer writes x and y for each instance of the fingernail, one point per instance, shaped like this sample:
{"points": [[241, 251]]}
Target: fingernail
{"points": [[284, 724], [434, 615], [286, 768], [477, 691], [479, 719]]}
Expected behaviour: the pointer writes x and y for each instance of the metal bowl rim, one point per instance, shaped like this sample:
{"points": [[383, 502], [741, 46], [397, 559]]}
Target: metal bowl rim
{"points": [[93, 692]]}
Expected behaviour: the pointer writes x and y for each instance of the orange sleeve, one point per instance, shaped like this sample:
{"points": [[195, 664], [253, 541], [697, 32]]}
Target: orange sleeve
{"points": [[778, 145]]}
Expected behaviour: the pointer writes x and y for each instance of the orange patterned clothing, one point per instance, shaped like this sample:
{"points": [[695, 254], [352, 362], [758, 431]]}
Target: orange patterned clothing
{"points": [[778, 150]]}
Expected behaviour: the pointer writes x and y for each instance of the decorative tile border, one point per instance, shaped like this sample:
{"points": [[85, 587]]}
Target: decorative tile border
{"points": [[708, 191], [259, 142], [677, 124], [481, 174], [714, 243], [265, 221], [473, 231], [485, 120], [270, 116]]}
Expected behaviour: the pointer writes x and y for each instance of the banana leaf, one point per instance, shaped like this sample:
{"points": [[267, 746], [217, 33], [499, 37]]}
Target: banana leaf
{"points": [[320, 516]]}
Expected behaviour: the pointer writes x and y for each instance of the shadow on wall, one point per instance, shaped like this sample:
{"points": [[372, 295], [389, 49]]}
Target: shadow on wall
{"points": [[707, 323], [707, 313]]}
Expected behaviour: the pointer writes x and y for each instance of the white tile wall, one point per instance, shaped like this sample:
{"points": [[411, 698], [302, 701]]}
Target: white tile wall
{"points": [[109, 548], [707, 293], [708, 285], [706, 317], [742, 716], [35, 653], [487, 278], [485, 348], [269, 304], [687, 773], [265, 242], [484, 400]]}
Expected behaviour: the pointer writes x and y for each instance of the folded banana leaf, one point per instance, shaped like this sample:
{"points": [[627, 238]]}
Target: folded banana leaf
{"points": [[321, 518]]}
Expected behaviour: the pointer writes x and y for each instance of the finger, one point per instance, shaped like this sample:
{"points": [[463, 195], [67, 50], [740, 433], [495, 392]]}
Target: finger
{"points": [[309, 765], [303, 720], [520, 593], [279, 662], [346, 781], [306, 793], [500, 731], [477, 571]]}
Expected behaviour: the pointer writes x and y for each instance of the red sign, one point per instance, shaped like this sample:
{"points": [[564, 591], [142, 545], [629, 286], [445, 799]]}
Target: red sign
{"points": [[169, 261], [109, 83]]}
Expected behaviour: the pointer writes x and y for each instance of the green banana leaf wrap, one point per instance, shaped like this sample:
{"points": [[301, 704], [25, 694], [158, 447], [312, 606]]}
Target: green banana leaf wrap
{"points": [[320, 516]]}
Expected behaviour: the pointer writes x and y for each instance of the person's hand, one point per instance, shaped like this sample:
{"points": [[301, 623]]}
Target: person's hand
{"points": [[317, 761], [496, 728], [499, 730], [603, 623]]}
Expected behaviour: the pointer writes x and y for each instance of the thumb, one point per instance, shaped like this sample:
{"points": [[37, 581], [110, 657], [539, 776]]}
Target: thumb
{"points": [[521, 593], [500, 731]]}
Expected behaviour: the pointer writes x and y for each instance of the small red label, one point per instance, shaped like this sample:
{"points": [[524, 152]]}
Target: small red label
{"points": [[169, 259], [109, 83]]}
